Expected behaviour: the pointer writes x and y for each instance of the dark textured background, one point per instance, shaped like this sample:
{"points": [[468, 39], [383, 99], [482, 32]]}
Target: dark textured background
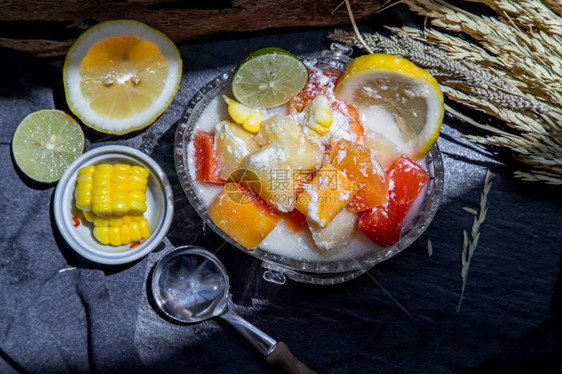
{"points": [[97, 319]]}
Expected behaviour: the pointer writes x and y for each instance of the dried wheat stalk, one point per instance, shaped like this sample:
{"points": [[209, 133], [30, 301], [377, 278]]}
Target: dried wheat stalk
{"points": [[469, 245], [513, 72], [554, 5]]}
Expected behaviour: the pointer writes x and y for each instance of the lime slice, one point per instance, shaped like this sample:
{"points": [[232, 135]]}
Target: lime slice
{"points": [[268, 77], [45, 143]]}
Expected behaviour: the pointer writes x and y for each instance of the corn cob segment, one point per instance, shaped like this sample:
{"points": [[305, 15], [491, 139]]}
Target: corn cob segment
{"points": [[113, 198], [107, 190], [120, 230]]}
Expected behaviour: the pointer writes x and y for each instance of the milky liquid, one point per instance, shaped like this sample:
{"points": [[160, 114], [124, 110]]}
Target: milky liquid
{"points": [[281, 241]]}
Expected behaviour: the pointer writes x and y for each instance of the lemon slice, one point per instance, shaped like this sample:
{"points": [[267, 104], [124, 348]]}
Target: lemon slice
{"points": [[45, 143], [119, 76], [396, 99], [268, 77]]}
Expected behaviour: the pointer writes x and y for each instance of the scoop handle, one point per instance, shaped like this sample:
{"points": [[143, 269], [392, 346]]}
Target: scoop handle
{"points": [[278, 354], [283, 359], [259, 339]]}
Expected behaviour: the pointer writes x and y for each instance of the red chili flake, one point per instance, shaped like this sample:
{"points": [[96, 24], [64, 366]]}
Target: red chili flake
{"points": [[76, 221], [135, 244]]}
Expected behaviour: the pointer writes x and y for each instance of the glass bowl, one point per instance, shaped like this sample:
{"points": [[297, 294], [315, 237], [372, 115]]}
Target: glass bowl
{"points": [[321, 270]]}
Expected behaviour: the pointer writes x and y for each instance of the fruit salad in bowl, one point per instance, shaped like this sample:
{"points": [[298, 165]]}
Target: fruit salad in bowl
{"points": [[320, 167]]}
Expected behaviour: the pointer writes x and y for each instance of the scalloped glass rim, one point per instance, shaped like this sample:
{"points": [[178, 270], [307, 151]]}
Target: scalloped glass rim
{"points": [[310, 271]]}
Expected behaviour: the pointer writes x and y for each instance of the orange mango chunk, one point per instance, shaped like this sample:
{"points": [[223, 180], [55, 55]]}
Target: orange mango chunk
{"points": [[360, 165], [243, 215], [329, 192]]}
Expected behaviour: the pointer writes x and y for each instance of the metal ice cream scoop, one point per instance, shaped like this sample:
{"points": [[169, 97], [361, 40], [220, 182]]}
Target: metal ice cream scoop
{"points": [[190, 284]]}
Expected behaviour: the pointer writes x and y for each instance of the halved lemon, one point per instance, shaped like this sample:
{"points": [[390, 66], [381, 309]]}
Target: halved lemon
{"points": [[396, 99], [119, 76]]}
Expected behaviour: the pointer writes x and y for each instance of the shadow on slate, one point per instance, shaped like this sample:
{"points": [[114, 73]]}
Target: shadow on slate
{"points": [[538, 352]]}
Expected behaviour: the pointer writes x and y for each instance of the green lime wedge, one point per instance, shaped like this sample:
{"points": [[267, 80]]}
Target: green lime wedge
{"points": [[268, 77], [45, 143]]}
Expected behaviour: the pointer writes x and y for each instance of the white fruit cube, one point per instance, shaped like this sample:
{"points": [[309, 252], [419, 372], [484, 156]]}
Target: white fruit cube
{"points": [[271, 166], [232, 144], [305, 154], [278, 129], [337, 234]]}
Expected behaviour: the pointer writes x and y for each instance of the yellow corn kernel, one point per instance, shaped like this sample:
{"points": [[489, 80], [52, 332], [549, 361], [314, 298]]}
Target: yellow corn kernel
{"points": [[84, 190], [85, 181], [138, 179], [103, 171], [134, 231], [120, 208], [101, 201], [143, 228], [135, 218], [83, 200], [120, 187], [120, 178], [137, 183], [120, 203], [125, 234], [137, 202], [114, 235], [139, 171], [249, 118], [122, 169], [140, 187], [135, 195], [136, 208], [101, 221], [86, 170], [101, 181], [90, 217], [115, 221], [126, 219], [101, 234], [318, 115], [119, 194]]}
